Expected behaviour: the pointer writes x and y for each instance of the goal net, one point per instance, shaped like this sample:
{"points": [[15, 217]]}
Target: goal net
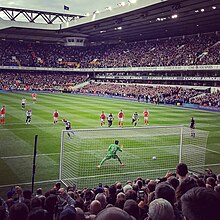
{"points": [[148, 152]]}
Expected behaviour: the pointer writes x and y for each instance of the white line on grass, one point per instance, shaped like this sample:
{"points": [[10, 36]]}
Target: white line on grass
{"points": [[29, 183], [12, 129], [25, 156], [141, 171]]}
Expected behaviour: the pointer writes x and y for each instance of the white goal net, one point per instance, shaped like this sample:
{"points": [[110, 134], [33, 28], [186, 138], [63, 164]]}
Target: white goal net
{"points": [[148, 152]]}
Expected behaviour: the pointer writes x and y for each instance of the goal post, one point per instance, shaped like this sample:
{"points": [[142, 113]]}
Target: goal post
{"points": [[148, 152]]}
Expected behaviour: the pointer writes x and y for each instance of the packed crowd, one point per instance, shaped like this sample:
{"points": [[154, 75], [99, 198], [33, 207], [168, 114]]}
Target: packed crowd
{"points": [[186, 50], [66, 82], [176, 196], [158, 94], [212, 99], [40, 81]]}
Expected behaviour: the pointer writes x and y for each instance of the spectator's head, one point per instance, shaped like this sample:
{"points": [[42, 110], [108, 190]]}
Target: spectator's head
{"points": [[112, 190], [184, 186], [173, 181], [121, 195], [50, 203], [160, 209], [127, 187], [102, 199], [151, 186], [120, 203], [88, 195], [200, 203], [95, 207], [69, 213], [218, 179], [181, 170], [113, 213], [211, 181], [217, 189], [37, 214], [36, 202], [166, 191], [27, 194], [39, 192], [131, 194], [80, 214], [18, 211], [131, 207]]}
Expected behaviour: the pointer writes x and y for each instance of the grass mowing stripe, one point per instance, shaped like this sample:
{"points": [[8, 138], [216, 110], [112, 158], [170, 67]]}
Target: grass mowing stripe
{"points": [[83, 112]]}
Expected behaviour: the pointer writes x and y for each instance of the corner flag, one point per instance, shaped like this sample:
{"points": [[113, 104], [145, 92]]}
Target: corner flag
{"points": [[66, 8]]}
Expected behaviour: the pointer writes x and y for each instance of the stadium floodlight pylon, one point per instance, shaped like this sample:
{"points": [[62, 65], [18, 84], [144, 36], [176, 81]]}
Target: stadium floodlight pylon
{"points": [[81, 153]]}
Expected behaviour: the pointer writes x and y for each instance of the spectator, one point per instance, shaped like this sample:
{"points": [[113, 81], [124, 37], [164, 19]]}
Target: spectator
{"points": [[18, 211], [181, 171], [160, 209], [200, 203], [113, 213], [68, 213], [131, 207]]}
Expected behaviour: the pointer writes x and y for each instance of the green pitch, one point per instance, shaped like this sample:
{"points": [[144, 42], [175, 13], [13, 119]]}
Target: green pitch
{"points": [[17, 138]]}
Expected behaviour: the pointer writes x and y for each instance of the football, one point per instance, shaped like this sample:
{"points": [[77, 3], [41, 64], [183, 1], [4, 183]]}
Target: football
{"points": [[154, 158]]}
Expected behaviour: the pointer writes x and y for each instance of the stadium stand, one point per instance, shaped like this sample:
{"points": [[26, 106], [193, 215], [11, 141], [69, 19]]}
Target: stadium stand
{"points": [[138, 199], [182, 51]]}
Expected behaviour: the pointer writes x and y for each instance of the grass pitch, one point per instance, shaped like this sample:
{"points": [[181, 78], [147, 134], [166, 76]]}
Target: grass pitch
{"points": [[17, 138]]}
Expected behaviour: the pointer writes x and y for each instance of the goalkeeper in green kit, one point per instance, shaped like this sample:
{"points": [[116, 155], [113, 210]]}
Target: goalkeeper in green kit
{"points": [[112, 153]]}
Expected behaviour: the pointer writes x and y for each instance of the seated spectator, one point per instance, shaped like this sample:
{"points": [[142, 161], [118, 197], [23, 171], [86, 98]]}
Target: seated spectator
{"points": [[160, 209], [200, 203]]}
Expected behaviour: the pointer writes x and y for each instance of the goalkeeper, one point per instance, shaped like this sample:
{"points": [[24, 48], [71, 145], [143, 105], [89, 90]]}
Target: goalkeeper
{"points": [[112, 153]]}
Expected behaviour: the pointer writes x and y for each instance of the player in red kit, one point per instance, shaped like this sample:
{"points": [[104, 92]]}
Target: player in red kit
{"points": [[102, 118], [121, 119], [34, 96], [146, 115], [3, 111], [55, 117]]}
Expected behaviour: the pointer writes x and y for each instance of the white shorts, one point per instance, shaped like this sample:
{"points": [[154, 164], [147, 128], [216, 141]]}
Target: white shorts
{"points": [[55, 118], [146, 118], [2, 115], [102, 120], [121, 119]]}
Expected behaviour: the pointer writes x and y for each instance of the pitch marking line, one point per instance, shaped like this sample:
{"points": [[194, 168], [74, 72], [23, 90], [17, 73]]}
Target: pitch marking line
{"points": [[213, 151], [26, 156], [12, 129]]}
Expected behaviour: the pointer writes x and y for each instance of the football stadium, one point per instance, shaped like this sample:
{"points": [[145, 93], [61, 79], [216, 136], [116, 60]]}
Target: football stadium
{"points": [[110, 114]]}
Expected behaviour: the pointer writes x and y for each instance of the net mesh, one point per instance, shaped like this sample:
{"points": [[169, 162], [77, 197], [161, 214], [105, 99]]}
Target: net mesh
{"points": [[147, 152]]}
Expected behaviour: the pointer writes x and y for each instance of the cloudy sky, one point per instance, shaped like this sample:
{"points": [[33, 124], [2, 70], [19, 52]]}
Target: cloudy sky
{"points": [[75, 6]]}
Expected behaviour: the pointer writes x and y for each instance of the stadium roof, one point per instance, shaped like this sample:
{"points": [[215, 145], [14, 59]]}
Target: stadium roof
{"points": [[164, 19]]}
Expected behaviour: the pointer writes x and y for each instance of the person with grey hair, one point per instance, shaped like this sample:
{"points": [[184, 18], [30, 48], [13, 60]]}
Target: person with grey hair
{"points": [[102, 199], [113, 213], [160, 209]]}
